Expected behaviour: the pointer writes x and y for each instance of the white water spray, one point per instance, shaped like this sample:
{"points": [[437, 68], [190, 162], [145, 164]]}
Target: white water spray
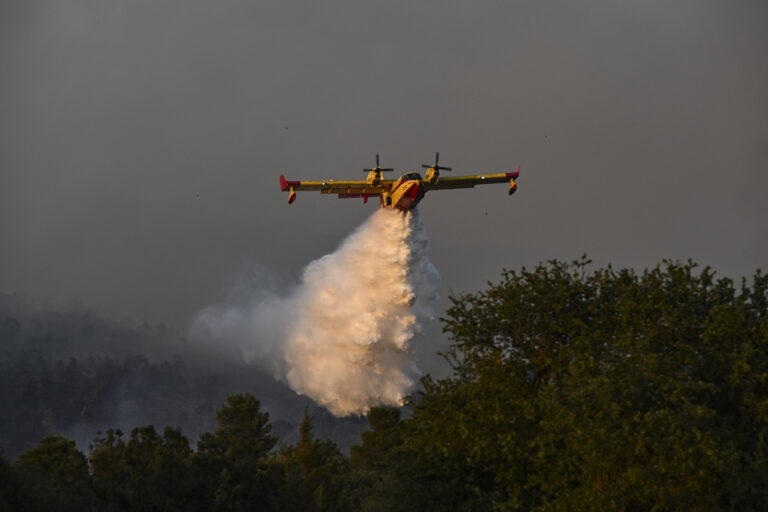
{"points": [[343, 336]]}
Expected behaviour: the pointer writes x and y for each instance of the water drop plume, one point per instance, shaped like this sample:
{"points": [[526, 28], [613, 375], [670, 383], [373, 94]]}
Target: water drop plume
{"points": [[343, 336]]}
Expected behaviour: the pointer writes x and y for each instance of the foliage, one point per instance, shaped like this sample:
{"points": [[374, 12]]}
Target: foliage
{"points": [[148, 472], [316, 473], [608, 390], [11, 497], [241, 476], [54, 476]]}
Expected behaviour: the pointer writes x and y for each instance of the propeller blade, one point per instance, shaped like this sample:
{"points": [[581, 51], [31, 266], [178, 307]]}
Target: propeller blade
{"points": [[387, 169], [437, 157], [378, 167], [425, 166]]}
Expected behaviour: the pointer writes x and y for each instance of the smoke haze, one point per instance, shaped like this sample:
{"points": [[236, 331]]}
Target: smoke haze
{"points": [[68, 369], [343, 336], [140, 146]]}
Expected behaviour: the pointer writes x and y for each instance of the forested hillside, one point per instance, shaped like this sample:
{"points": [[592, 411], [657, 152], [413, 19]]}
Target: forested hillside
{"points": [[571, 390], [68, 370]]}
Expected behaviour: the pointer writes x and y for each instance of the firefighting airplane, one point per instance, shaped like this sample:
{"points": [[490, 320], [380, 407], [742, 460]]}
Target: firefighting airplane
{"points": [[403, 193]]}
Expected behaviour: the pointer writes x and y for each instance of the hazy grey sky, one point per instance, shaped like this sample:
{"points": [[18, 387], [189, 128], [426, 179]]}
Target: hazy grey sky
{"points": [[641, 128]]}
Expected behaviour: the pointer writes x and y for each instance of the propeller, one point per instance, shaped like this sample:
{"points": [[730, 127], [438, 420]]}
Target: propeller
{"points": [[378, 167], [436, 167]]}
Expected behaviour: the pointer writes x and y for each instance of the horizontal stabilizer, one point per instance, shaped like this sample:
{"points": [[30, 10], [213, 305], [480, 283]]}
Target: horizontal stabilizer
{"points": [[286, 185]]}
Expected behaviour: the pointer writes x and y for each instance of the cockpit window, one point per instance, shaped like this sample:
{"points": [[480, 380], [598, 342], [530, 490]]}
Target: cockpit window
{"points": [[411, 176]]}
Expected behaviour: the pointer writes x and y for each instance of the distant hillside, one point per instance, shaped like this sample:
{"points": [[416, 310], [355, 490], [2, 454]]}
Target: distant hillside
{"points": [[71, 371]]}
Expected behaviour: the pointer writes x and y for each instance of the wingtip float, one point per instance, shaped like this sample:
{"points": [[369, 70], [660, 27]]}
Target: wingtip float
{"points": [[403, 193]]}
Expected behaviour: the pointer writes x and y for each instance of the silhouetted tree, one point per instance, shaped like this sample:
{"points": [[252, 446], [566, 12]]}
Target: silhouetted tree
{"points": [[234, 458], [11, 497], [148, 472], [316, 473], [55, 476]]}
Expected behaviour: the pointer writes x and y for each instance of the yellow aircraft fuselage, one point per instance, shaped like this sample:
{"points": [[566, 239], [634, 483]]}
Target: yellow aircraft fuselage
{"points": [[404, 194]]}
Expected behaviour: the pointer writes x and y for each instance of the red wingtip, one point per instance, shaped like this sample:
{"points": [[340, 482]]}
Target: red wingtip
{"points": [[283, 183]]}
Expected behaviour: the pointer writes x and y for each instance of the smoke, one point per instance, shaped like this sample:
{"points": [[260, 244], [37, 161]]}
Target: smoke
{"points": [[343, 336]]}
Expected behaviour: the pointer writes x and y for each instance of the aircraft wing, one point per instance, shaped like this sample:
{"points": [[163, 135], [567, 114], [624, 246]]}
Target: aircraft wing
{"points": [[334, 186], [452, 182], [345, 189]]}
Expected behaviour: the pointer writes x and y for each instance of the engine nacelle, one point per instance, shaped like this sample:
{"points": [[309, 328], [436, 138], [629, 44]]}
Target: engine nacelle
{"points": [[432, 176], [374, 178]]}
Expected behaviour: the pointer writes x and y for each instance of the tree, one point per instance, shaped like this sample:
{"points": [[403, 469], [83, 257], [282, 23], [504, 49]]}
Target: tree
{"points": [[55, 476], [11, 497], [148, 472], [112, 479], [608, 390], [316, 473], [234, 458]]}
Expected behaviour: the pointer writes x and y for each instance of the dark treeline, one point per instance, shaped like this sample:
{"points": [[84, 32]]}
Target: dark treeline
{"points": [[570, 390], [239, 466], [39, 396]]}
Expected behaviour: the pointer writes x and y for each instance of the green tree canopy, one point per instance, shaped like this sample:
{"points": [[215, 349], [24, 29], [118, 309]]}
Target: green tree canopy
{"points": [[316, 473], [607, 390], [55, 476], [235, 457], [148, 472]]}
